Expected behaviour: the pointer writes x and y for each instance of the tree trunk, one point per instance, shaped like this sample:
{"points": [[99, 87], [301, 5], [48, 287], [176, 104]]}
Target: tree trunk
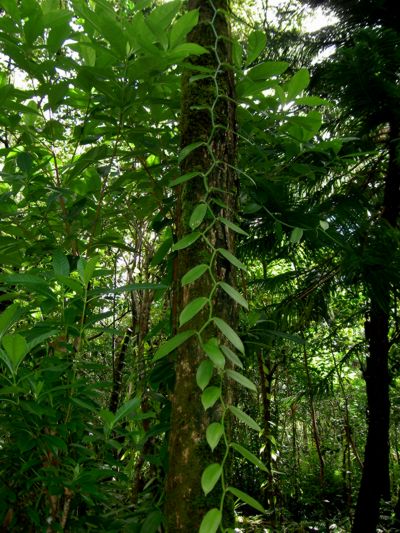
{"points": [[189, 453], [375, 482]]}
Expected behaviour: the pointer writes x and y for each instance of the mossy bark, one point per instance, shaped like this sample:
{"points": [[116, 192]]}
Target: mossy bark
{"points": [[189, 452]]}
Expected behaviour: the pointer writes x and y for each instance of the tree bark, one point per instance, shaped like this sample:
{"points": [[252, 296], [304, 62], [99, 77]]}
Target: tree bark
{"points": [[375, 481], [189, 453]]}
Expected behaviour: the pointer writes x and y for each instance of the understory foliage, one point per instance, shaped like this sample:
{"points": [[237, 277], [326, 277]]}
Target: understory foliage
{"points": [[121, 246]]}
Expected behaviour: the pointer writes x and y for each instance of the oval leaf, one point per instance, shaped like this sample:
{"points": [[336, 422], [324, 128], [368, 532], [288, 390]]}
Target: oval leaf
{"points": [[210, 396], [198, 215], [256, 44], [186, 241], [214, 353], [204, 373], [210, 477], [239, 378], [231, 258], [170, 345], [214, 433], [249, 456], [16, 348], [243, 417], [246, 499], [193, 274], [211, 521], [234, 294], [296, 235], [229, 333], [233, 226], [233, 358], [192, 309]]}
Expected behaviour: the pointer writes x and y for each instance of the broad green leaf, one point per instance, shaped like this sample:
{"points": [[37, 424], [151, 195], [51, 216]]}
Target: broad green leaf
{"points": [[204, 373], [233, 227], [186, 241], [229, 333], [249, 456], [243, 417], [239, 378], [256, 44], [234, 294], [183, 26], [16, 348], [188, 149], [211, 521], [268, 69], [210, 476], [161, 252], [152, 522], [127, 408], [214, 433], [191, 310], [183, 178], [231, 258], [8, 317], [210, 396], [60, 264], [194, 273], [297, 83], [214, 353], [246, 499], [233, 358], [171, 344], [296, 235], [181, 52], [198, 215], [324, 225]]}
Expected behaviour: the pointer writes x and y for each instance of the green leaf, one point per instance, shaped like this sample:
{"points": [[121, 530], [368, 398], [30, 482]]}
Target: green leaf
{"points": [[233, 358], [60, 264], [296, 235], [186, 241], [193, 274], [210, 476], [324, 225], [183, 26], [173, 343], [246, 499], [211, 521], [234, 294], [198, 215], [311, 101], [210, 396], [231, 258], [214, 353], [297, 83], [152, 522], [16, 348], [229, 333], [256, 44], [214, 433], [204, 373], [239, 378], [126, 409], [8, 317], [191, 310], [161, 252], [268, 69], [189, 148], [249, 456], [183, 178], [243, 417], [233, 227]]}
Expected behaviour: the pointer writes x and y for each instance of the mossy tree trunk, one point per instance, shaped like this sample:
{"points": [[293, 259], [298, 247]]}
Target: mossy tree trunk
{"points": [[188, 452]]}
